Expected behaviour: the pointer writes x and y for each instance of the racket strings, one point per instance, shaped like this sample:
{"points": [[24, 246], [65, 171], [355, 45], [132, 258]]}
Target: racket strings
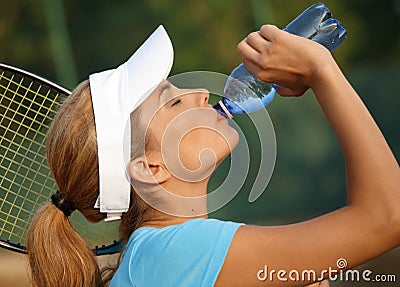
{"points": [[25, 109], [27, 106]]}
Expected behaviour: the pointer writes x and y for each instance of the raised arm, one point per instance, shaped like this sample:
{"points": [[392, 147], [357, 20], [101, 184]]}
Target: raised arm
{"points": [[370, 224]]}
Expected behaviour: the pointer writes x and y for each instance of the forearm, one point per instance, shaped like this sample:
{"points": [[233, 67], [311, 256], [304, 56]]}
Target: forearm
{"points": [[296, 63], [373, 175], [370, 224]]}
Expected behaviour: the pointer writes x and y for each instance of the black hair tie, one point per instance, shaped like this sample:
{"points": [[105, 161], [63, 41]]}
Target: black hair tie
{"points": [[58, 200]]}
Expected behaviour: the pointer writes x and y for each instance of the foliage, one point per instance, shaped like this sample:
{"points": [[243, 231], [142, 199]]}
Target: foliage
{"points": [[309, 175]]}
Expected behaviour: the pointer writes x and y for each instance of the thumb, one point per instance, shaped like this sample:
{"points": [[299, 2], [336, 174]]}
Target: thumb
{"points": [[287, 92]]}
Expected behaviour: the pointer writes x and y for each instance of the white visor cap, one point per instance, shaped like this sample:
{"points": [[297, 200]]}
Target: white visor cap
{"points": [[116, 94]]}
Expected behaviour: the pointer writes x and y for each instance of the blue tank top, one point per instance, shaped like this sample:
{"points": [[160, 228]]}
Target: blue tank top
{"points": [[187, 254]]}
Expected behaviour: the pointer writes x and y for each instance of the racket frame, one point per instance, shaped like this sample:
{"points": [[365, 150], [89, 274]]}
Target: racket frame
{"points": [[114, 247]]}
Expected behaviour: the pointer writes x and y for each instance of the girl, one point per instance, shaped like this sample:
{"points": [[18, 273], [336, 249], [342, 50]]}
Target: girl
{"points": [[169, 239]]}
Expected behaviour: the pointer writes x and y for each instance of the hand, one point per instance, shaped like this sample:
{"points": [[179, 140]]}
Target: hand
{"points": [[324, 283], [290, 61]]}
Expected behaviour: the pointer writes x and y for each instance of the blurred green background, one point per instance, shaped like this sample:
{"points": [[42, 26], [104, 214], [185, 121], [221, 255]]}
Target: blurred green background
{"points": [[65, 41]]}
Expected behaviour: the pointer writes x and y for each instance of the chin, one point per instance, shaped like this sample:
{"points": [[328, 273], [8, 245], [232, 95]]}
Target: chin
{"points": [[232, 138]]}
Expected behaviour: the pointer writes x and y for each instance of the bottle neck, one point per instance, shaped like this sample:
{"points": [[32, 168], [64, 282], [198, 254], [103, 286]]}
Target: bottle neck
{"points": [[221, 108]]}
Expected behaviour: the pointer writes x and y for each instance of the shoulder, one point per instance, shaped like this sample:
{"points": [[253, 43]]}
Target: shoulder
{"points": [[185, 235], [172, 252]]}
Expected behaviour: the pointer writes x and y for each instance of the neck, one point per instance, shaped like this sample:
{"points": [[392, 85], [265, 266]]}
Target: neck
{"points": [[175, 202]]}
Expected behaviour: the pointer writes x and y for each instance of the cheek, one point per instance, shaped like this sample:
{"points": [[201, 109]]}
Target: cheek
{"points": [[194, 143], [203, 147]]}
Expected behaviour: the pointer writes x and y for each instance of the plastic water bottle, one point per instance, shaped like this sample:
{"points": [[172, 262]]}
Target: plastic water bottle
{"points": [[244, 93]]}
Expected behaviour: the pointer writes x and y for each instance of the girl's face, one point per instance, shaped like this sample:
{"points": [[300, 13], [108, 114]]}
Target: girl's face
{"points": [[186, 134]]}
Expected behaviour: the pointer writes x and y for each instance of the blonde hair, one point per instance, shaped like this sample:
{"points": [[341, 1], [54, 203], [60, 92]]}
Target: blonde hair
{"points": [[58, 255]]}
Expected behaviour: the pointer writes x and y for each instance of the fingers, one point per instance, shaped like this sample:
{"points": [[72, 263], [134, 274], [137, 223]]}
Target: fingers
{"points": [[247, 51], [254, 49], [274, 56], [324, 283], [257, 47], [313, 285], [270, 32], [286, 92], [257, 42]]}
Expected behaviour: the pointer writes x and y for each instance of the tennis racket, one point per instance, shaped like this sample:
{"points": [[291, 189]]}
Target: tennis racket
{"points": [[28, 104]]}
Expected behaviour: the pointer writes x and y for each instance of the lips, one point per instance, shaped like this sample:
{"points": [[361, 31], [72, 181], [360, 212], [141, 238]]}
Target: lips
{"points": [[220, 117]]}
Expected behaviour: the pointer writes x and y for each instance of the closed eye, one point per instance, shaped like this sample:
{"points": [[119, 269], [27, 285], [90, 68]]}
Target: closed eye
{"points": [[176, 102]]}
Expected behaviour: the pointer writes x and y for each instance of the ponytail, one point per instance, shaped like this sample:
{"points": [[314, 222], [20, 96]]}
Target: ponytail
{"points": [[58, 255]]}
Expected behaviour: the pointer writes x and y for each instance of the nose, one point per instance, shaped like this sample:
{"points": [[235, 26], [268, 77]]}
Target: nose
{"points": [[202, 97], [198, 97]]}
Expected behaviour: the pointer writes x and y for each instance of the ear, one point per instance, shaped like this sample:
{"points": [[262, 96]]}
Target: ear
{"points": [[151, 173]]}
